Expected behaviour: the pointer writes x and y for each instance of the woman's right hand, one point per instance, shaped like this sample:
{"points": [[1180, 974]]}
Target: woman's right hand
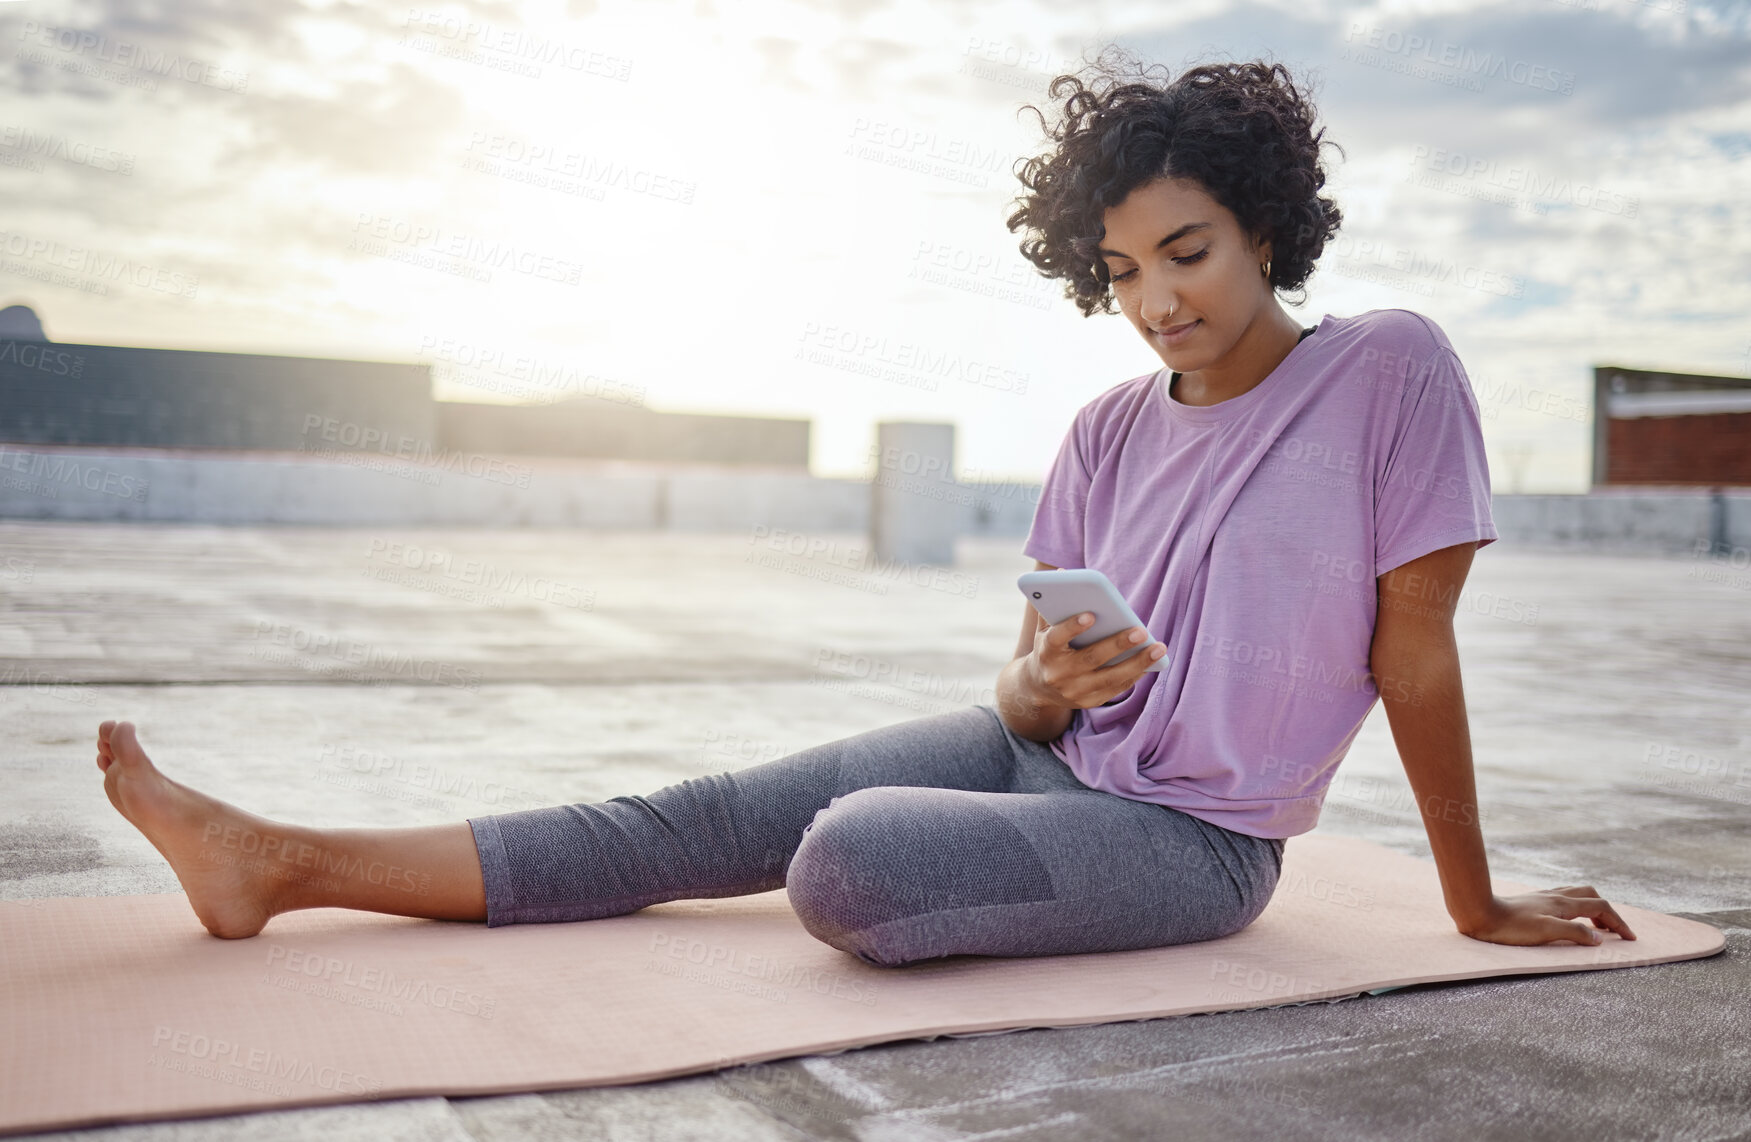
{"points": [[1073, 678]]}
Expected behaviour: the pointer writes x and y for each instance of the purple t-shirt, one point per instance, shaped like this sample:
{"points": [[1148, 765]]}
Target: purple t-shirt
{"points": [[1247, 536]]}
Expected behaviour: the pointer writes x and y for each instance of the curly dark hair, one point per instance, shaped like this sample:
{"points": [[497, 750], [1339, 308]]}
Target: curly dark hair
{"points": [[1241, 130]]}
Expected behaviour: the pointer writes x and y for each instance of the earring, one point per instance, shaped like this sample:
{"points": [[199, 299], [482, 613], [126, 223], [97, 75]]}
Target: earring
{"points": [[1266, 267]]}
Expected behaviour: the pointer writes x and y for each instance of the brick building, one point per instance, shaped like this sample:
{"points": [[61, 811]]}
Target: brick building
{"points": [[1670, 428]]}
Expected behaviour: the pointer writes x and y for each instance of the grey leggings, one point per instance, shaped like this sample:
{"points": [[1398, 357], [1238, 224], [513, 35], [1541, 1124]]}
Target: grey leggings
{"points": [[943, 835]]}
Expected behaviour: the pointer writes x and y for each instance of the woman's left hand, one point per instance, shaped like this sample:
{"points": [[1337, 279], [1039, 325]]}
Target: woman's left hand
{"points": [[1549, 917]]}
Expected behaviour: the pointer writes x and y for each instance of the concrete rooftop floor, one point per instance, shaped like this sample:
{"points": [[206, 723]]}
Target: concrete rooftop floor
{"points": [[1610, 707]]}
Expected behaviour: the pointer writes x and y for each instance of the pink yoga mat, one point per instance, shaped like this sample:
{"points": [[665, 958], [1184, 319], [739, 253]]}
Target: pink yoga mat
{"points": [[123, 1008]]}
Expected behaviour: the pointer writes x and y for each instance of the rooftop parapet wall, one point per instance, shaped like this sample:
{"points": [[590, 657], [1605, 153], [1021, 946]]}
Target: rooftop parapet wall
{"points": [[495, 490]]}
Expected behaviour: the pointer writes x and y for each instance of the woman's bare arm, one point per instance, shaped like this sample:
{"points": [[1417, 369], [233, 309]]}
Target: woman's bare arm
{"points": [[1415, 661]]}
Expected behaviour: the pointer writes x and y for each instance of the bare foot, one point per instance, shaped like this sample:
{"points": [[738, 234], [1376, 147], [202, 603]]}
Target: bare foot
{"points": [[213, 847]]}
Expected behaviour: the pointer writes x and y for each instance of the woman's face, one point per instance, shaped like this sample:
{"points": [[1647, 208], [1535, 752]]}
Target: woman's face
{"points": [[1208, 277]]}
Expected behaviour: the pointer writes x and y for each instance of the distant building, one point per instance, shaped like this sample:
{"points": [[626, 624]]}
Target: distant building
{"points": [[601, 429], [20, 321], [109, 395], [1652, 427]]}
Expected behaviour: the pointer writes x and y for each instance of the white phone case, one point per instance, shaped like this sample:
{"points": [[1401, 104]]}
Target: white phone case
{"points": [[1063, 592]]}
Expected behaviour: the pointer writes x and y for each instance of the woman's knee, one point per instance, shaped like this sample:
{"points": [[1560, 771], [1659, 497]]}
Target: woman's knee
{"points": [[847, 878], [898, 874], [833, 864]]}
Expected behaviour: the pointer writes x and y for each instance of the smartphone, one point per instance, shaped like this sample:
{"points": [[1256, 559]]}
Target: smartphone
{"points": [[1063, 592]]}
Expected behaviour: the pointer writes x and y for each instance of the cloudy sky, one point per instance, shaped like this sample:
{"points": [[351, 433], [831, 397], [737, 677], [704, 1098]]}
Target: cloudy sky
{"points": [[796, 209]]}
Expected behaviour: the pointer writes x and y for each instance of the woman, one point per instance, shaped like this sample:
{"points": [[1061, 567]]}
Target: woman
{"points": [[1292, 510]]}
